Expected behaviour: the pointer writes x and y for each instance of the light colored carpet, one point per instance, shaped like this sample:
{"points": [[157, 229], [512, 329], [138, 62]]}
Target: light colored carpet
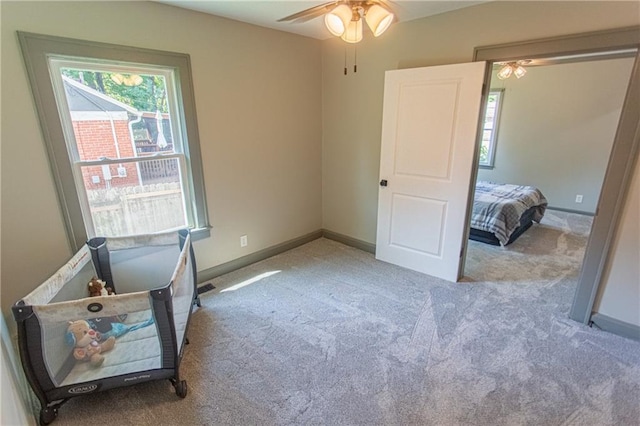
{"points": [[325, 334]]}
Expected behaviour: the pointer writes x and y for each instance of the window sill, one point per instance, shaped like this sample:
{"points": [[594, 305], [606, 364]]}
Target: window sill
{"points": [[486, 166], [200, 233]]}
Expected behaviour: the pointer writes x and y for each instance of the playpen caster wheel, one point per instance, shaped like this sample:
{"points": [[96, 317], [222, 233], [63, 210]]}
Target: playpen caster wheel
{"points": [[181, 388], [47, 415]]}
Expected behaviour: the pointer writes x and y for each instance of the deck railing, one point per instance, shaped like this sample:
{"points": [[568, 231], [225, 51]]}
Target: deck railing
{"points": [[159, 171]]}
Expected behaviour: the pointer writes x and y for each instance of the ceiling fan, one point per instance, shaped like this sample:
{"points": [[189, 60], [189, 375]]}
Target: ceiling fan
{"points": [[343, 18], [513, 68]]}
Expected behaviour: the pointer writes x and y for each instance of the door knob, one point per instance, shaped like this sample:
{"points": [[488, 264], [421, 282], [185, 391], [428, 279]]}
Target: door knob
{"points": [[383, 182]]}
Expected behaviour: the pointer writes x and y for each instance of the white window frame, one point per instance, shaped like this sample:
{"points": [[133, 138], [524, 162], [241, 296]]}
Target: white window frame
{"points": [[38, 50], [491, 155]]}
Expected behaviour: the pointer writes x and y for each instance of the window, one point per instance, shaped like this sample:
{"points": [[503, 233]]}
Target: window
{"points": [[125, 146], [120, 128], [490, 128]]}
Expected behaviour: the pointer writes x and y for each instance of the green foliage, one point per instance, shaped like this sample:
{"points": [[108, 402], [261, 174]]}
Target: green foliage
{"points": [[484, 154], [150, 95]]}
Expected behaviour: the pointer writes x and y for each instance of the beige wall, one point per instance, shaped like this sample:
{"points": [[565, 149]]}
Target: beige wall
{"points": [[557, 128], [352, 104], [258, 100], [13, 399], [270, 107], [619, 295], [258, 97]]}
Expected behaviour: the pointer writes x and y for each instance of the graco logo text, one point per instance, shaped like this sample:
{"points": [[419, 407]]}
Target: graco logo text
{"points": [[83, 389]]}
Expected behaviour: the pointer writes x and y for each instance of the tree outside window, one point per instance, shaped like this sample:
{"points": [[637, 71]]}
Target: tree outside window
{"points": [[490, 128]]}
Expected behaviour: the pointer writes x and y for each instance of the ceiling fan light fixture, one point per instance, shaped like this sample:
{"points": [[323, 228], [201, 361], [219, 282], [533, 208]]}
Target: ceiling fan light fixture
{"points": [[338, 20], [353, 33], [505, 72], [133, 80], [128, 80], [512, 68], [117, 78], [378, 19], [520, 71]]}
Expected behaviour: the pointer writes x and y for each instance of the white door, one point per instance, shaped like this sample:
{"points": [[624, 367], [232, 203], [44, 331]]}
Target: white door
{"points": [[429, 125]]}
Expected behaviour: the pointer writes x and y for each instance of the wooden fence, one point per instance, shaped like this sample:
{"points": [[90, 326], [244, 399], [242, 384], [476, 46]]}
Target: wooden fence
{"points": [[137, 210]]}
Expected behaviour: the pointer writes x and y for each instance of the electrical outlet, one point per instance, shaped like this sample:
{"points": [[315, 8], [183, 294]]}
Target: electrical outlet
{"points": [[243, 241], [578, 198]]}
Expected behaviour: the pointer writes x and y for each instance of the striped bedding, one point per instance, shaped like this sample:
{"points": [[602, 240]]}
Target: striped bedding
{"points": [[497, 208]]}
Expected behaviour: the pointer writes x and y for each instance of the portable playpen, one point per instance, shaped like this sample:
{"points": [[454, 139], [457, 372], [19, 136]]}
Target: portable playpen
{"points": [[141, 329]]}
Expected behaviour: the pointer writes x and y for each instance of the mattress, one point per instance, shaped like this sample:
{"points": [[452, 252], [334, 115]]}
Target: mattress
{"points": [[135, 351], [498, 209], [489, 238]]}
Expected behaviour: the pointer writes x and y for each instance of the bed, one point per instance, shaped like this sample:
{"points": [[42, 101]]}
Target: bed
{"points": [[503, 212], [60, 327]]}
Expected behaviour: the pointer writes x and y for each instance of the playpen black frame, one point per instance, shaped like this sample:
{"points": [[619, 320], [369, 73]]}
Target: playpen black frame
{"points": [[31, 354]]}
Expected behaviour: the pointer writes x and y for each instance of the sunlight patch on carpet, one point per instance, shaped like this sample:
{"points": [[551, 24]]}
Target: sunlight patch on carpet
{"points": [[250, 281]]}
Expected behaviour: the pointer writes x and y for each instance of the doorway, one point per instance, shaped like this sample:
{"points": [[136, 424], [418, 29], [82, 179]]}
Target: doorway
{"points": [[550, 130], [616, 179], [625, 145]]}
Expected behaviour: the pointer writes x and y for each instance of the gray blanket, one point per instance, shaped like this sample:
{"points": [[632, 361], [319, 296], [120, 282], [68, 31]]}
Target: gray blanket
{"points": [[497, 208]]}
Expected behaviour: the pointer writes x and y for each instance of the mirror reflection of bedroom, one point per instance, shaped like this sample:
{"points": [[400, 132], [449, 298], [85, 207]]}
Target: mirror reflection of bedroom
{"points": [[548, 132]]}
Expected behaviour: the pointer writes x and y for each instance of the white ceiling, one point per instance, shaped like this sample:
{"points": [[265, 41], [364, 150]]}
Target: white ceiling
{"points": [[266, 13]]}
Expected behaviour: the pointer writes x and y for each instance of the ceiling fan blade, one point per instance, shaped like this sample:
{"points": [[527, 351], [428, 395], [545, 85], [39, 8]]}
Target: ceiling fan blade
{"points": [[310, 16], [311, 13]]}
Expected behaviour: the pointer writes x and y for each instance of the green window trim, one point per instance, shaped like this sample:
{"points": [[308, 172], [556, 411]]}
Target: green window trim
{"points": [[36, 50]]}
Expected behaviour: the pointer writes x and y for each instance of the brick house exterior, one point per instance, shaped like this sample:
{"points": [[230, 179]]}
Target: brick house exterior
{"points": [[94, 138], [101, 126]]}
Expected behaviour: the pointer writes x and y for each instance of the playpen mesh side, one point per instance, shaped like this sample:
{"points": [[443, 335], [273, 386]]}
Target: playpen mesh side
{"points": [[78, 269], [134, 352], [183, 287], [151, 261], [141, 262], [64, 369], [68, 283]]}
